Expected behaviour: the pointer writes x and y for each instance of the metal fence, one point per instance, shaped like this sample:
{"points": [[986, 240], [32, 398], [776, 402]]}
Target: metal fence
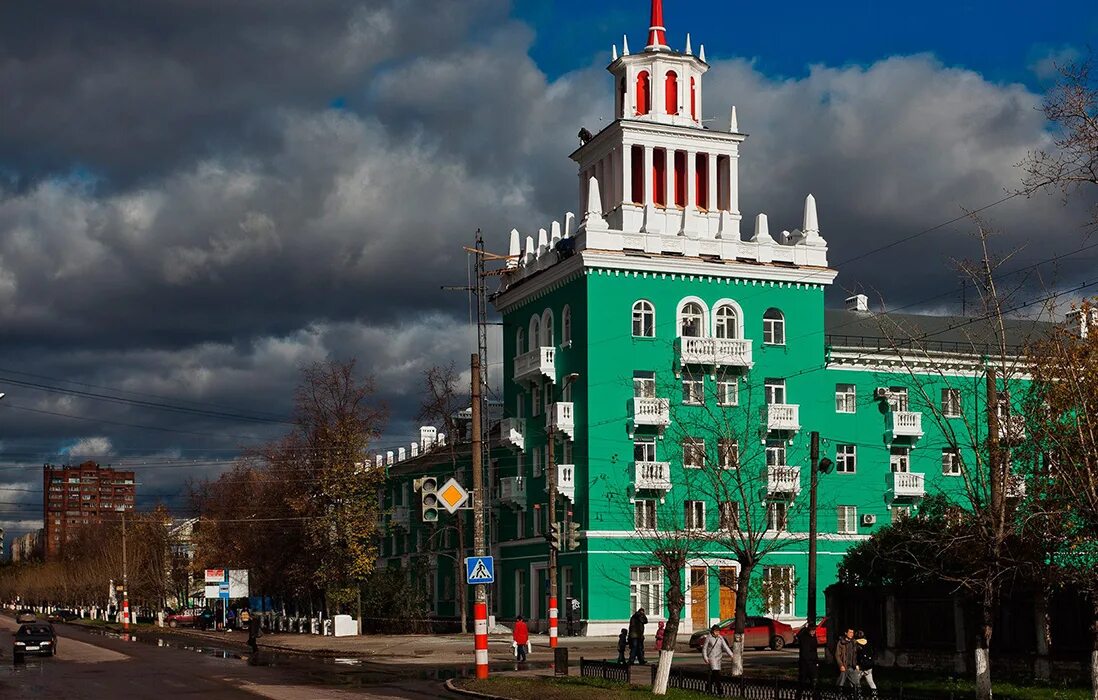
{"points": [[606, 670], [773, 689]]}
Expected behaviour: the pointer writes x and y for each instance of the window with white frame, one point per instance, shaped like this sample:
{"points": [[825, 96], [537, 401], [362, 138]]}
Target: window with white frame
{"points": [[644, 514], [728, 389], [848, 520], [520, 464], [899, 460], [779, 586], [566, 452], [774, 390], [775, 453], [693, 391], [900, 513], [694, 515], [728, 453], [535, 401], [951, 403], [566, 325], [535, 332], [693, 453], [644, 450], [539, 519], [951, 461], [547, 397], [520, 523], [777, 515], [537, 461], [846, 459], [520, 592], [644, 319], [520, 342], [644, 384], [846, 399], [547, 329], [728, 514], [897, 398], [726, 322], [646, 589], [692, 320], [773, 327]]}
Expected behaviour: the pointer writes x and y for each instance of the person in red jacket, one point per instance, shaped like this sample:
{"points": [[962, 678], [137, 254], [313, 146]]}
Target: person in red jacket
{"points": [[521, 637]]}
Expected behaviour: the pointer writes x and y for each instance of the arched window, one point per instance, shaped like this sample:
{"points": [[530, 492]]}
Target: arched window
{"points": [[644, 93], [693, 99], [566, 325], [692, 320], [726, 323], [671, 92], [773, 327], [644, 319], [535, 332], [547, 338], [520, 341]]}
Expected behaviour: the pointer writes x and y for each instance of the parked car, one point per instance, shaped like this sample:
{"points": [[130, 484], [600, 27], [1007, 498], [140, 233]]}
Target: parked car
{"points": [[62, 616], [759, 632], [190, 617], [821, 632], [26, 615], [35, 638]]}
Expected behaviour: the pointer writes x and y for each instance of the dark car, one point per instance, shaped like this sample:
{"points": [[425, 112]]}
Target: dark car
{"points": [[821, 632], [759, 633], [62, 616], [26, 615], [35, 638]]}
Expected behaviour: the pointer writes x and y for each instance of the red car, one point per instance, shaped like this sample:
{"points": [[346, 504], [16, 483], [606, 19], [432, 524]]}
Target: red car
{"points": [[758, 632], [190, 617], [821, 632]]}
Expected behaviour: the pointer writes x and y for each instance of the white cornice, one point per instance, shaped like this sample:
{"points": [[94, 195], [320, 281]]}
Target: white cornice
{"points": [[897, 361], [539, 283], [702, 268]]}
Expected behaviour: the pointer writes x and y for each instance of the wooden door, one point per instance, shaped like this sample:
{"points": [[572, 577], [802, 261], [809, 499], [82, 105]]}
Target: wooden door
{"points": [[699, 598], [727, 577]]}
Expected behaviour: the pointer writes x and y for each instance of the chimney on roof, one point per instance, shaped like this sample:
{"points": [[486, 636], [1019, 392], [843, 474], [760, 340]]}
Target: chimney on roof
{"points": [[858, 302], [428, 434]]}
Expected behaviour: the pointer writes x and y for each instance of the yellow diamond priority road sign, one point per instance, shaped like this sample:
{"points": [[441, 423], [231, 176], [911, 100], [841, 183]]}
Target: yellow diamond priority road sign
{"points": [[452, 495]]}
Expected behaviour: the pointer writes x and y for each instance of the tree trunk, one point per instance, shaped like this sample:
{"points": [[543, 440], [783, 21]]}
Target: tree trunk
{"points": [[1094, 649], [983, 649], [675, 603], [743, 581], [1041, 670]]}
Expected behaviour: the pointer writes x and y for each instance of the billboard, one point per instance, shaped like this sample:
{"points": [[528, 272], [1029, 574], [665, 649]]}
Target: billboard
{"points": [[215, 575], [226, 583]]}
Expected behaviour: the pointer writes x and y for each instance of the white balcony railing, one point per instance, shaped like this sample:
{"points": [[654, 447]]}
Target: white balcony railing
{"points": [[716, 352], [651, 411], [906, 484], [783, 416], [905, 424], [1012, 428], [562, 419], [653, 475], [401, 516], [538, 363], [512, 491], [566, 481], [782, 479], [511, 432]]}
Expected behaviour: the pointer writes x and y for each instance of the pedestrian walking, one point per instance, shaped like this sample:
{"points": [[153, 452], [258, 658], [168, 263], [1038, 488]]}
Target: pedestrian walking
{"points": [[254, 630], [713, 651], [636, 636], [864, 663], [847, 658], [623, 641], [521, 637], [660, 632], [808, 658]]}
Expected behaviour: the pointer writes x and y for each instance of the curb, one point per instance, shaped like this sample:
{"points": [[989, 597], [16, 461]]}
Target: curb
{"points": [[471, 693]]}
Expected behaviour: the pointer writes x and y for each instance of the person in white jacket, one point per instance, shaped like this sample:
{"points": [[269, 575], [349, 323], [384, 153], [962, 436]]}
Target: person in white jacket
{"points": [[713, 652]]}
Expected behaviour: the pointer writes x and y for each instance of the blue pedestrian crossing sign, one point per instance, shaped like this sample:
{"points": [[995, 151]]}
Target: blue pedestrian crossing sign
{"points": [[479, 570]]}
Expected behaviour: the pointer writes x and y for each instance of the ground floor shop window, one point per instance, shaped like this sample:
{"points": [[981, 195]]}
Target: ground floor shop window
{"points": [[646, 589]]}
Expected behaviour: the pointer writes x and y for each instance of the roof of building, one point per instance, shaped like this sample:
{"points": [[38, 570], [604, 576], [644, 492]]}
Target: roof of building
{"points": [[954, 334]]}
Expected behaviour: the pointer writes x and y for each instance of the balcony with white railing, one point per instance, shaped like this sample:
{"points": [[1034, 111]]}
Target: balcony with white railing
{"points": [[512, 433], [906, 485], [782, 480], [655, 476], [512, 491], [714, 352], [562, 419], [905, 424], [566, 481], [650, 411], [539, 362], [1012, 428], [783, 416], [400, 516]]}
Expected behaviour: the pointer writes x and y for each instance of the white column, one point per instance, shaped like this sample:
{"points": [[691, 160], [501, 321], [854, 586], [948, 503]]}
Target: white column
{"points": [[600, 175], [734, 183], [627, 172], [691, 179], [648, 176]]}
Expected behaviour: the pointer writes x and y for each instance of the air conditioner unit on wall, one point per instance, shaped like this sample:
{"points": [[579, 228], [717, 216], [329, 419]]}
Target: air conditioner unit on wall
{"points": [[880, 393], [869, 519]]}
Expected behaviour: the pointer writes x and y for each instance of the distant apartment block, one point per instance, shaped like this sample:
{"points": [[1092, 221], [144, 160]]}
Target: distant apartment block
{"points": [[75, 496]]}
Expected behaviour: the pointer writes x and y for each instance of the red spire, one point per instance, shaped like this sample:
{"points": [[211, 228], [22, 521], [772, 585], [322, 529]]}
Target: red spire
{"points": [[657, 34]]}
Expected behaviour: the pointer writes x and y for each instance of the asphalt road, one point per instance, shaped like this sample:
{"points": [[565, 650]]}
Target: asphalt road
{"points": [[91, 666]]}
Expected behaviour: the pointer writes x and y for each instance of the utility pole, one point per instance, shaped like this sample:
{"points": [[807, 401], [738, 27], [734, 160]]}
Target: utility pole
{"points": [[812, 529], [125, 579], [996, 476], [480, 606], [551, 465]]}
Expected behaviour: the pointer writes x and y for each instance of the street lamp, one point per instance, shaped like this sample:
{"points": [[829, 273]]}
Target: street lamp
{"points": [[125, 575]]}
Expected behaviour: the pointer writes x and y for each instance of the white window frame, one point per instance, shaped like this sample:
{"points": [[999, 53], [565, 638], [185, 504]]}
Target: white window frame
{"points": [[644, 514], [777, 516], [644, 384], [537, 461], [520, 342], [899, 460], [566, 326], [644, 314], [846, 398], [693, 453], [951, 403], [951, 461], [646, 590], [534, 333], [728, 515], [548, 329], [787, 582], [644, 448], [701, 318], [728, 390], [898, 399], [728, 453], [535, 400], [694, 515], [848, 520], [727, 320], [900, 513], [693, 392], [846, 459], [773, 327], [773, 390], [776, 454]]}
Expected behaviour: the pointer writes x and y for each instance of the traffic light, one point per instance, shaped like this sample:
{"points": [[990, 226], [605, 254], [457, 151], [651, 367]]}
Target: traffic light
{"points": [[573, 535], [556, 536], [427, 487]]}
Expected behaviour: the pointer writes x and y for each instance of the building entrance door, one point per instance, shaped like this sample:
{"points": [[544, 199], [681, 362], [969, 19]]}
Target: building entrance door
{"points": [[727, 577], [699, 598]]}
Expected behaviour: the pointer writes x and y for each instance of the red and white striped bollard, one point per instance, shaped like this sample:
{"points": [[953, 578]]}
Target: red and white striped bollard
{"points": [[480, 635], [552, 622]]}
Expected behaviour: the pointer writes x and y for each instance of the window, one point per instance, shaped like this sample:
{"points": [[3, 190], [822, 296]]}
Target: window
{"points": [[951, 403], [644, 514], [777, 515], [775, 454], [693, 453], [646, 589], [728, 453], [520, 406], [644, 93], [537, 461], [520, 342], [538, 515], [520, 464], [671, 92], [644, 385], [644, 319], [693, 391], [900, 459], [535, 401], [547, 340], [774, 391], [692, 320], [773, 327], [520, 524], [566, 326], [728, 389], [535, 332], [846, 459], [694, 515], [644, 450], [897, 398], [900, 513], [547, 397], [520, 591], [728, 513], [726, 322], [845, 398], [778, 588], [848, 520], [951, 462]]}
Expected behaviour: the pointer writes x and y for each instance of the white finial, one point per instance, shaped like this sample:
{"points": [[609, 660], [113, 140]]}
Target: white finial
{"points": [[624, 45], [762, 230], [724, 225], [569, 224], [414, 449], [701, 54], [529, 256], [515, 250], [734, 126], [614, 54], [689, 51], [811, 224], [379, 461], [554, 234], [594, 204], [402, 454], [543, 242], [389, 458]]}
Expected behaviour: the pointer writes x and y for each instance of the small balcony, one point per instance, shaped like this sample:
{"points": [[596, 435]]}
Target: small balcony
{"points": [[783, 416], [511, 431], [562, 419], [714, 352], [512, 491], [654, 476], [539, 362], [1012, 428], [401, 516], [566, 481], [905, 424], [650, 412], [903, 485], [782, 480]]}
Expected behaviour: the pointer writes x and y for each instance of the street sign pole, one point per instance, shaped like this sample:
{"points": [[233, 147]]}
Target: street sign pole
{"points": [[480, 604]]}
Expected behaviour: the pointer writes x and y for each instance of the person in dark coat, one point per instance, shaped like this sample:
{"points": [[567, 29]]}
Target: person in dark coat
{"points": [[636, 636], [623, 641], [847, 658], [866, 660], [807, 657], [253, 633]]}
